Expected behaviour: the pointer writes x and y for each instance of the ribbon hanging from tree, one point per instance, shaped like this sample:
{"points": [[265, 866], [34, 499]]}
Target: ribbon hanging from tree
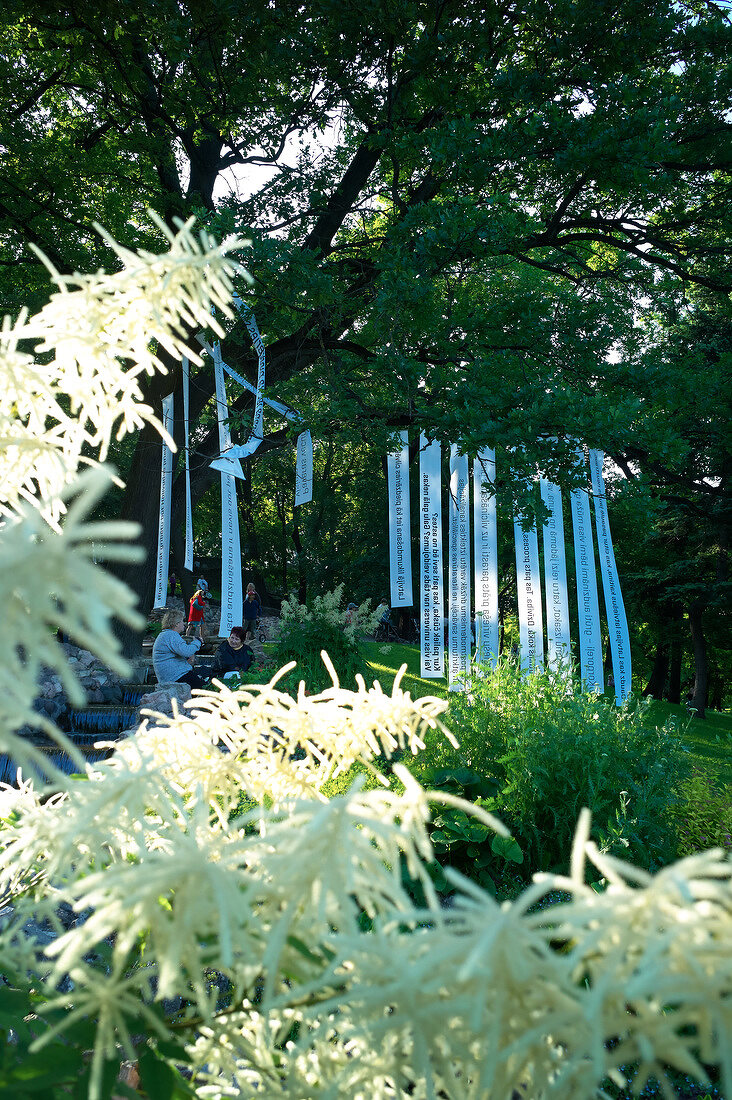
{"points": [[432, 638], [231, 593], [528, 585], [166, 481], [226, 463], [617, 622], [304, 469], [485, 544], [588, 609], [188, 556], [245, 450], [400, 548], [459, 634], [555, 579]]}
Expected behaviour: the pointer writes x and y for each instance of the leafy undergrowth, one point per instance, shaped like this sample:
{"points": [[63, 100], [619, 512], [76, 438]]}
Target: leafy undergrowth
{"points": [[703, 817]]}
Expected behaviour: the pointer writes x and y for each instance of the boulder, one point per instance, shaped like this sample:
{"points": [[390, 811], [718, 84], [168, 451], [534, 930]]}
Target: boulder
{"points": [[160, 698]]}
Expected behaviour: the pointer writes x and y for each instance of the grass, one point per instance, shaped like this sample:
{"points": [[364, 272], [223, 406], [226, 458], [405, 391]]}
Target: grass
{"points": [[709, 739], [385, 660]]}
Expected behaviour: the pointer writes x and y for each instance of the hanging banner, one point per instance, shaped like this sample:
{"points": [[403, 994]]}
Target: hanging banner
{"points": [[588, 609], [304, 469], [400, 545], [555, 579], [528, 584], [432, 637], [485, 548], [278, 406], [459, 634], [188, 558], [245, 450], [614, 607], [166, 482], [226, 463], [231, 595]]}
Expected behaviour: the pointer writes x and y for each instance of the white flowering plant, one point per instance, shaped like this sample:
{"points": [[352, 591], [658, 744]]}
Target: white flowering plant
{"points": [[306, 629], [275, 952]]}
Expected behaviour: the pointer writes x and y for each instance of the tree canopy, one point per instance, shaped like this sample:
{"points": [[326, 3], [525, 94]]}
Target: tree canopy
{"points": [[464, 216]]}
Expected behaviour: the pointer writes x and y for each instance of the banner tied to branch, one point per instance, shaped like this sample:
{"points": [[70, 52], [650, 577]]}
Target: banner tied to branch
{"points": [[166, 483], [528, 585], [231, 593], [459, 632], [400, 549], [555, 579], [588, 608], [485, 552], [432, 614], [188, 558], [304, 469], [614, 606]]}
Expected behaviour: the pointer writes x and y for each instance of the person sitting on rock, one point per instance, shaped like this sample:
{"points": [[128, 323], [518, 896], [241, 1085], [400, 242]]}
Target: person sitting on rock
{"points": [[233, 655], [172, 657]]}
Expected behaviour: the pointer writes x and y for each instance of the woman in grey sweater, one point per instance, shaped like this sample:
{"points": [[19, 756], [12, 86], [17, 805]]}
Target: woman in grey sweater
{"points": [[172, 657]]}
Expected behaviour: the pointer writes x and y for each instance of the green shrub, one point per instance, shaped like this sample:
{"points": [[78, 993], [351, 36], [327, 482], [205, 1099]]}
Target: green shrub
{"points": [[552, 749], [703, 819], [306, 629]]}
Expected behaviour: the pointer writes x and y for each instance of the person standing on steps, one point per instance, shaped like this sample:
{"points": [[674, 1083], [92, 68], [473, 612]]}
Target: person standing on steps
{"points": [[203, 586], [172, 657], [252, 610], [196, 619]]}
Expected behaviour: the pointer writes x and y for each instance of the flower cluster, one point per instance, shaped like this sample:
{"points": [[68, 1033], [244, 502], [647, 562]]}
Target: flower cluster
{"points": [[59, 410], [327, 609], [479, 1000]]}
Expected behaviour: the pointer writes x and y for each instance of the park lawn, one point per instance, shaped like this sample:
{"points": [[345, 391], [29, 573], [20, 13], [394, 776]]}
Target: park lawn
{"points": [[709, 739], [385, 661]]}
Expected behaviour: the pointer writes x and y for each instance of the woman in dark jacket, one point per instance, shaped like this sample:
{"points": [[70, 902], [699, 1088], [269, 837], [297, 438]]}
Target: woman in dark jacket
{"points": [[232, 655]]}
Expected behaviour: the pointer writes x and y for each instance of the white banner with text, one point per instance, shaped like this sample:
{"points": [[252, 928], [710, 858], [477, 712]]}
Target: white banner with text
{"points": [[617, 622], [188, 556], [432, 613], [231, 595], [588, 608], [528, 584], [400, 546], [166, 482], [555, 579], [458, 634], [485, 552], [304, 469]]}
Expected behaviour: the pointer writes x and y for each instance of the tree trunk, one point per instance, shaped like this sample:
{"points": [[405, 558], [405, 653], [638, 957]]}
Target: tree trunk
{"points": [[657, 681], [280, 506], [701, 668], [674, 680], [141, 504], [302, 589], [251, 542]]}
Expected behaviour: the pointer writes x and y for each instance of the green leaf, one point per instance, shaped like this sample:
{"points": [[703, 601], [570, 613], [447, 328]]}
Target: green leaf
{"points": [[156, 1076], [507, 847]]}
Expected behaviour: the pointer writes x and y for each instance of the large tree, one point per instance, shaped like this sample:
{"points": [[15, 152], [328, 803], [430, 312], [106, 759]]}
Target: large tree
{"points": [[455, 207]]}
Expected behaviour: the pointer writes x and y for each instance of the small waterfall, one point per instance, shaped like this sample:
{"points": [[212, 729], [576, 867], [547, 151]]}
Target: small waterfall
{"points": [[104, 720]]}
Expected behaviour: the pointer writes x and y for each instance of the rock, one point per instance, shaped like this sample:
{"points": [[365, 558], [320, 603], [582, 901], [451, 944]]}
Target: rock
{"points": [[160, 699]]}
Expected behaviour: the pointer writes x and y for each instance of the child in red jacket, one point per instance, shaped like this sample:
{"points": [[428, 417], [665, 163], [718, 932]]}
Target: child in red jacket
{"points": [[196, 618]]}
